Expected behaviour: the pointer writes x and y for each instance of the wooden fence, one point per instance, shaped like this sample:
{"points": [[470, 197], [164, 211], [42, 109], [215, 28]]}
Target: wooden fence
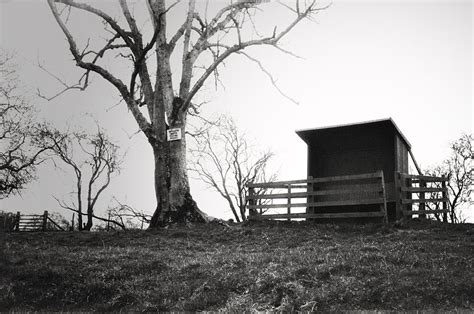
{"points": [[318, 195], [431, 195], [35, 223]]}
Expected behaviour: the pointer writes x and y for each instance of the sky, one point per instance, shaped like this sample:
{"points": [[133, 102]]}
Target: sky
{"points": [[360, 60]]}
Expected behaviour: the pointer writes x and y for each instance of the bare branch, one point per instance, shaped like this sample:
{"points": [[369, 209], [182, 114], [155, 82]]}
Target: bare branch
{"points": [[272, 40], [22, 149], [269, 75], [90, 66], [224, 161]]}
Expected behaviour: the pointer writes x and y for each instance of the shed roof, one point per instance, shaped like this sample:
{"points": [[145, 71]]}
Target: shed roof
{"points": [[306, 134]]}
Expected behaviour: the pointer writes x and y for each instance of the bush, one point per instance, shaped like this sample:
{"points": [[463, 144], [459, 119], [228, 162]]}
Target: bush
{"points": [[7, 221]]}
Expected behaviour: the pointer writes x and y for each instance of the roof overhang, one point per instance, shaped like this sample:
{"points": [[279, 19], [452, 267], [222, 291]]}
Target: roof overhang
{"points": [[305, 134]]}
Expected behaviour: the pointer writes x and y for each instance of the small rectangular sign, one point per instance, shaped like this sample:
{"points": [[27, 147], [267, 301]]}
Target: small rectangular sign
{"points": [[174, 134]]}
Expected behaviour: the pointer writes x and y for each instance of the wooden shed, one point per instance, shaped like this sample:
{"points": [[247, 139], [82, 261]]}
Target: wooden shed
{"points": [[355, 171], [358, 148]]}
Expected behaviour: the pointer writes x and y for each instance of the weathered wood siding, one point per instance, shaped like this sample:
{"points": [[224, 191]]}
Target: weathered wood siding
{"points": [[401, 165], [401, 153], [354, 150]]}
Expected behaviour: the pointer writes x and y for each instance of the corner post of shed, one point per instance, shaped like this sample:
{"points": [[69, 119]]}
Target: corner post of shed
{"points": [[310, 190], [398, 196]]}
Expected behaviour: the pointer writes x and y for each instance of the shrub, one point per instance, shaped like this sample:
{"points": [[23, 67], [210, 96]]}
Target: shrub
{"points": [[7, 221]]}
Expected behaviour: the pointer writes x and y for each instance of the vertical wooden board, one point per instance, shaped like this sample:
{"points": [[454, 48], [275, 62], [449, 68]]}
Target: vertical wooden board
{"points": [[421, 206], [252, 201], [445, 204], [396, 177], [310, 199], [384, 195], [398, 196], [309, 161], [401, 155], [404, 157], [289, 202], [398, 154]]}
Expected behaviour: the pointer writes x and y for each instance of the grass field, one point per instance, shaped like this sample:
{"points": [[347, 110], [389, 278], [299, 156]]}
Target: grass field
{"points": [[279, 266]]}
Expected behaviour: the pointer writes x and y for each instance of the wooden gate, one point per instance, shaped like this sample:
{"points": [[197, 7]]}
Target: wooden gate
{"points": [[344, 191], [421, 195], [35, 222]]}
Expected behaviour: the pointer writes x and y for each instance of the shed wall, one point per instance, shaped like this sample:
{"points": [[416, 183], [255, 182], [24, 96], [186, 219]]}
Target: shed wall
{"points": [[353, 151]]}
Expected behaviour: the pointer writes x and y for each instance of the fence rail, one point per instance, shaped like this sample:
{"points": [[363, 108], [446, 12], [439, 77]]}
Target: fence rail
{"points": [[431, 195], [324, 192]]}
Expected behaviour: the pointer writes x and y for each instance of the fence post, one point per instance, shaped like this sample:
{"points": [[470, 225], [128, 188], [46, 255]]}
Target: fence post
{"points": [[421, 205], [17, 222], [408, 182], [310, 189], [45, 220], [251, 201], [289, 202], [72, 222], [398, 196], [384, 196], [445, 203]]}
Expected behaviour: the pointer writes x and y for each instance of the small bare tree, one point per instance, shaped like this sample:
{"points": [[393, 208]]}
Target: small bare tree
{"points": [[226, 162], [458, 168], [19, 149], [97, 161]]}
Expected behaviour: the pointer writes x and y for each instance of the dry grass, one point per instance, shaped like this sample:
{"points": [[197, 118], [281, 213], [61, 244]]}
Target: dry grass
{"points": [[281, 266]]}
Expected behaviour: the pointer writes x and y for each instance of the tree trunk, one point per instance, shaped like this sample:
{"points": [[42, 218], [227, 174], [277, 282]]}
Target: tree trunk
{"points": [[232, 208], [242, 212], [88, 225], [79, 219], [174, 201]]}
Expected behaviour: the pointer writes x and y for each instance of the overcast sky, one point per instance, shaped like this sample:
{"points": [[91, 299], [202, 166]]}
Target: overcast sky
{"points": [[362, 60]]}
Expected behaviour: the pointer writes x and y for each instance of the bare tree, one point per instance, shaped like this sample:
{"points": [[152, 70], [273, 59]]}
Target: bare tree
{"points": [[226, 162], [93, 172], [206, 43], [458, 168], [19, 149]]}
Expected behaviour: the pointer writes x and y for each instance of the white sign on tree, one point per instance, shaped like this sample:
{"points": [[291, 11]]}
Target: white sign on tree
{"points": [[174, 134]]}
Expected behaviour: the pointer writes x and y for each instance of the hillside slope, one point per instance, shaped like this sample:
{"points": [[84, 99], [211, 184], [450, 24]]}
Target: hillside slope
{"points": [[282, 266]]}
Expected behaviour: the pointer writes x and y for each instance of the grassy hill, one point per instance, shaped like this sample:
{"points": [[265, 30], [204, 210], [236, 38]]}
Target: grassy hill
{"points": [[281, 266]]}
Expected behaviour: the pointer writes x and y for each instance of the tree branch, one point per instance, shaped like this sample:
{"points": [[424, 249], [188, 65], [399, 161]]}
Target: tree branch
{"points": [[121, 87]]}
